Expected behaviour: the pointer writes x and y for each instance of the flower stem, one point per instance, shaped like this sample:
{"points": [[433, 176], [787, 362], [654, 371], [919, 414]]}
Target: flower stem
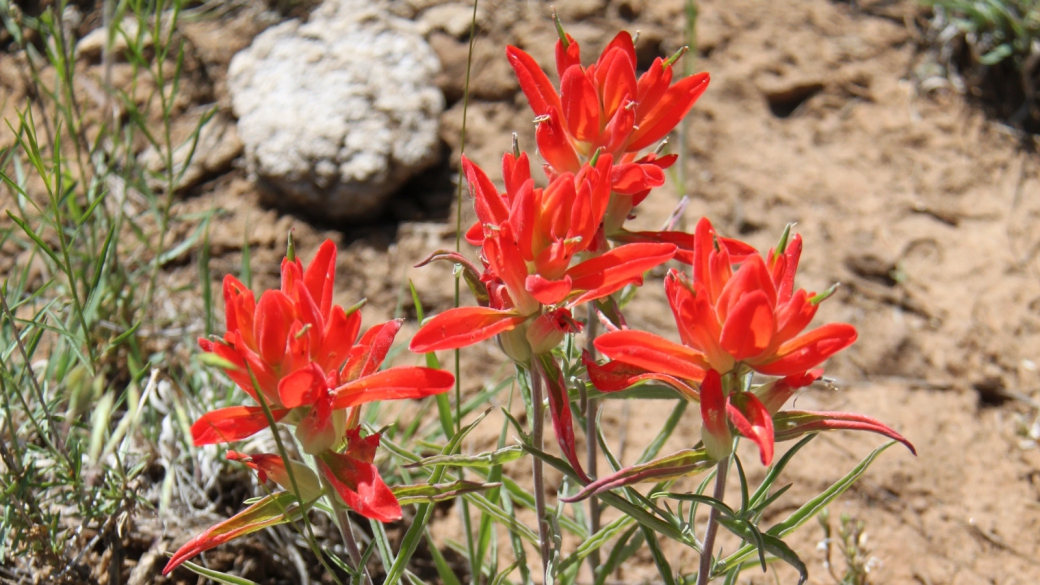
{"points": [[346, 530], [591, 329], [704, 575], [537, 428]]}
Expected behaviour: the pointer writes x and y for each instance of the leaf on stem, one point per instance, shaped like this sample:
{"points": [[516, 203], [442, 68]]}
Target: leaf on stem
{"points": [[415, 494], [678, 464]]}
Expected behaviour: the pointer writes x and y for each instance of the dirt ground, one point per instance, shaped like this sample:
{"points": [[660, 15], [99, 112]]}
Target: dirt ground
{"points": [[925, 211]]}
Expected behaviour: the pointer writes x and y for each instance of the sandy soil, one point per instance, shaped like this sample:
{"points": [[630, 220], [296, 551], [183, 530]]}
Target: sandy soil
{"points": [[923, 210]]}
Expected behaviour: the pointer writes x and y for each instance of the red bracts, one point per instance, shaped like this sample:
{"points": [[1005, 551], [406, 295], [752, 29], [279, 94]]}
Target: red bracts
{"points": [[740, 313], [300, 358], [602, 106], [530, 237]]}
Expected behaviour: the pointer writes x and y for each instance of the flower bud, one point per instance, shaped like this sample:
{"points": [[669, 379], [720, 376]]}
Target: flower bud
{"points": [[514, 344], [547, 331]]}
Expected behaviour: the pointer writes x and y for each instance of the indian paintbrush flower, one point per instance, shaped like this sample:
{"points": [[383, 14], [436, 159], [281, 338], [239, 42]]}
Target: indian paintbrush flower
{"points": [[733, 322], [530, 239], [604, 107], [300, 358]]}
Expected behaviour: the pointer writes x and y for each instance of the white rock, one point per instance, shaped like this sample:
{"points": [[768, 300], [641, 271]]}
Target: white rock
{"points": [[336, 114]]}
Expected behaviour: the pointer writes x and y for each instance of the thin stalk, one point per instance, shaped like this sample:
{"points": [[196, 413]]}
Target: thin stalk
{"points": [[537, 430], [77, 304], [309, 536], [458, 248], [591, 452], [55, 436], [346, 530], [171, 174], [458, 203], [703, 576]]}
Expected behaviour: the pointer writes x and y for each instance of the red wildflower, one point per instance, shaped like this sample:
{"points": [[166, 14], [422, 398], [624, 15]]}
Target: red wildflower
{"points": [[732, 321], [602, 106], [750, 316], [301, 350], [530, 237]]}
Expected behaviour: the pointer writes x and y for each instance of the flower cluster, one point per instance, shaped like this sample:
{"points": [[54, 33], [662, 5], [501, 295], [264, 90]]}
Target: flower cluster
{"points": [[300, 359], [546, 250], [745, 343]]}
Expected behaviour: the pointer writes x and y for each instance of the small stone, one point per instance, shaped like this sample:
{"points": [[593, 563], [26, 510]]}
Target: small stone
{"points": [[454, 19], [576, 10]]}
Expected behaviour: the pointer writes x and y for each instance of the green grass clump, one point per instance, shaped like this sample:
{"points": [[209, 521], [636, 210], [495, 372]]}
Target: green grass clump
{"points": [[84, 236], [990, 49]]}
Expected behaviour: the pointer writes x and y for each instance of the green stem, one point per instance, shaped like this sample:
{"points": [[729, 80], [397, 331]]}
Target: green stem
{"points": [[537, 432], [346, 530], [474, 563], [311, 540], [591, 454], [54, 438], [704, 575]]}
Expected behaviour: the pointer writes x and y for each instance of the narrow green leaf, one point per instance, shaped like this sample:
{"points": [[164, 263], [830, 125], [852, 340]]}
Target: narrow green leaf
{"points": [[642, 516], [205, 281], [415, 494], [382, 541], [128, 334], [443, 403], [484, 460], [743, 485], [99, 265], [598, 540], [660, 561], [771, 544], [185, 245], [774, 472], [425, 512], [996, 55], [35, 238], [813, 506], [217, 576], [701, 499], [502, 517], [247, 260], [501, 577], [676, 465], [621, 552]]}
